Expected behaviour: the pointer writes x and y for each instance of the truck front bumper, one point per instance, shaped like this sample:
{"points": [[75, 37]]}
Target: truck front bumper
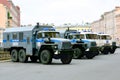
{"points": [[61, 53], [92, 51]]}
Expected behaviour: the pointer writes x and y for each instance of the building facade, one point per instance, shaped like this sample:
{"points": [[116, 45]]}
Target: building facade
{"points": [[10, 16], [78, 28], [109, 23]]}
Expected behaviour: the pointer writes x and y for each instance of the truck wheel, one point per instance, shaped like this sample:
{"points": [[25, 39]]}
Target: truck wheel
{"points": [[14, 55], [45, 57], [66, 59], [77, 54], [105, 51], [22, 56], [33, 58], [112, 50]]}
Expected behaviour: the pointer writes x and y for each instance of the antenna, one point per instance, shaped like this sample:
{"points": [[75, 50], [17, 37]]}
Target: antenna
{"points": [[68, 29]]}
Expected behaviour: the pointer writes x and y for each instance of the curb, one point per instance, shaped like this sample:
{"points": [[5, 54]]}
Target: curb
{"points": [[5, 60]]}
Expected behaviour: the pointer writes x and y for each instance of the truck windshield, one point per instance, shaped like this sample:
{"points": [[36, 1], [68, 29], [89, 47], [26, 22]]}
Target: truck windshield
{"points": [[52, 34], [74, 36], [82, 36], [91, 36], [105, 37]]}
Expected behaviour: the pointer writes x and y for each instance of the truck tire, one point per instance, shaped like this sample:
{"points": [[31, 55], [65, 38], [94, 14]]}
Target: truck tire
{"points": [[77, 54], [105, 51], [22, 56], [45, 57], [33, 58], [67, 59], [14, 55], [112, 50]]}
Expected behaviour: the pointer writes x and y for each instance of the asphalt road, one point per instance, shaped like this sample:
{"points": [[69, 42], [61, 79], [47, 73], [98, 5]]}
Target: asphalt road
{"points": [[102, 67]]}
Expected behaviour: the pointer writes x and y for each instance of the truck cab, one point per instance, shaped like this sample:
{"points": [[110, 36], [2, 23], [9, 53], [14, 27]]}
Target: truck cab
{"points": [[78, 44], [64, 47]]}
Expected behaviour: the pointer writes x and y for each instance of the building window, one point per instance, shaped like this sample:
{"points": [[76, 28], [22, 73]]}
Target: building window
{"points": [[8, 23], [14, 36], [21, 36], [8, 15]]}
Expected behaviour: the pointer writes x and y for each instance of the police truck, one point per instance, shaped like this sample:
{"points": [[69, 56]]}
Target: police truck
{"points": [[82, 48], [106, 43], [37, 42]]}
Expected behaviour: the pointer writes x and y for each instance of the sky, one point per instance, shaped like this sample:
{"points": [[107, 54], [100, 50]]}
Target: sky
{"points": [[63, 11]]}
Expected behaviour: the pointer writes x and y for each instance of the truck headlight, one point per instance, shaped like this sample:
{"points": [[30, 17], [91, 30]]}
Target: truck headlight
{"points": [[55, 47]]}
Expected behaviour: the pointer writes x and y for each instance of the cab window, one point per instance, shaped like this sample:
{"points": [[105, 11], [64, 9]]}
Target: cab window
{"points": [[39, 35]]}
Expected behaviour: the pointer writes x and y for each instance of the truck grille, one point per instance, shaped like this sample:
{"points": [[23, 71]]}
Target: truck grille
{"points": [[66, 45], [93, 43]]}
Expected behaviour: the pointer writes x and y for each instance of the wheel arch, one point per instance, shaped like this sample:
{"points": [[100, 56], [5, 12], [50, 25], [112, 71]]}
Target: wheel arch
{"points": [[48, 47], [79, 46]]}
